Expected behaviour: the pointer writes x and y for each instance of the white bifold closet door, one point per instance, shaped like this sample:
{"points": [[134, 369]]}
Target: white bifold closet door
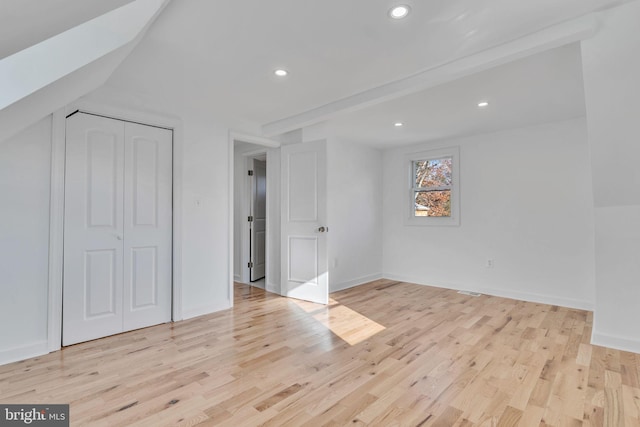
{"points": [[117, 227]]}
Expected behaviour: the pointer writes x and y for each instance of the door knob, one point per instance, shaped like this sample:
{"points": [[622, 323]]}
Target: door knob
{"points": [[323, 229]]}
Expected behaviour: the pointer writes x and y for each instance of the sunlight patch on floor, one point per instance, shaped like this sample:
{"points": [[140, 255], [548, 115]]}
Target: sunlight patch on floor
{"points": [[346, 323]]}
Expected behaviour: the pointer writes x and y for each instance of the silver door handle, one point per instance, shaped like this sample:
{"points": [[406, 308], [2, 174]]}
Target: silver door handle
{"points": [[323, 229]]}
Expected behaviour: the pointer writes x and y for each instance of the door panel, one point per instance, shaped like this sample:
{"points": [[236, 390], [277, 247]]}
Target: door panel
{"points": [[304, 243], [144, 280], [145, 181], [259, 223], [303, 255], [100, 283], [102, 177], [147, 226], [93, 245], [303, 186]]}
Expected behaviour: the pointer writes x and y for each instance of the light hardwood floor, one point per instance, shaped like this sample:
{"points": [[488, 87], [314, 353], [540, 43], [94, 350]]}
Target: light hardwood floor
{"points": [[381, 354]]}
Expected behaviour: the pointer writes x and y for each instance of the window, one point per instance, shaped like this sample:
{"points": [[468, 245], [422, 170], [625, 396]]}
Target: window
{"points": [[432, 189], [433, 197]]}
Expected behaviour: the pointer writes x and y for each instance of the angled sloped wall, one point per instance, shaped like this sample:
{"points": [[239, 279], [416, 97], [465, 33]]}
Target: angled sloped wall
{"points": [[45, 77]]}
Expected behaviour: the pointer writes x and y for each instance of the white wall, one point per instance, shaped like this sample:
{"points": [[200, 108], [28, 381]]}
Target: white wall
{"points": [[611, 68], [205, 216], [354, 211], [24, 241], [526, 203]]}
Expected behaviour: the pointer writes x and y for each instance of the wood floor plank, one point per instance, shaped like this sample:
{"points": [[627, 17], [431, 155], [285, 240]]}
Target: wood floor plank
{"points": [[382, 354]]}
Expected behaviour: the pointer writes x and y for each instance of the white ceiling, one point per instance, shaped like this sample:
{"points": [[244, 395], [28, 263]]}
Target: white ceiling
{"points": [[538, 89], [217, 57]]}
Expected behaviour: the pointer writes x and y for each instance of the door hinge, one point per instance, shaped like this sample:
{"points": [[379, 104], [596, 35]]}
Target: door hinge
{"points": [[250, 218], [250, 173], [250, 265]]}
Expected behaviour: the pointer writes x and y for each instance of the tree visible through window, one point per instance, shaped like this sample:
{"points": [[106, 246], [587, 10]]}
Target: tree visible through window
{"points": [[432, 187]]}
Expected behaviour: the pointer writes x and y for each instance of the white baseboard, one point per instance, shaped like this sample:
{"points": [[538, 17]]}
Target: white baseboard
{"points": [[17, 354], [612, 341], [273, 288], [541, 299], [504, 293], [202, 310], [237, 278], [335, 287]]}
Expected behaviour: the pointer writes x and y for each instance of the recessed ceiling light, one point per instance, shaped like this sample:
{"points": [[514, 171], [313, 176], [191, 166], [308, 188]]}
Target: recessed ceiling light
{"points": [[281, 73], [483, 104], [399, 12], [398, 124]]}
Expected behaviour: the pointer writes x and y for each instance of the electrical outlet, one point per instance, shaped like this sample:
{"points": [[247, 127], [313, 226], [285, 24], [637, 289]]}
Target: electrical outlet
{"points": [[489, 263]]}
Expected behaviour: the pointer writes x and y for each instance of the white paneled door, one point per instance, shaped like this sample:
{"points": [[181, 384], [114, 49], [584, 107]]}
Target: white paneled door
{"points": [[117, 227], [304, 230], [258, 222]]}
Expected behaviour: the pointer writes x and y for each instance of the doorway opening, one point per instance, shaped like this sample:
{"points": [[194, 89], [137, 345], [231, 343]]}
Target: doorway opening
{"points": [[296, 197], [253, 226], [257, 218]]}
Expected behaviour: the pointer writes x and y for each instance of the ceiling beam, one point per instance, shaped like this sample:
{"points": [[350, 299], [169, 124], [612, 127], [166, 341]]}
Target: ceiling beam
{"points": [[252, 139], [549, 38]]}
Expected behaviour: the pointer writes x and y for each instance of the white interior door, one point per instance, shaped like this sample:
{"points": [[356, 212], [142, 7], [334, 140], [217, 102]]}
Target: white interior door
{"points": [[147, 226], [93, 228], [117, 237], [259, 220], [304, 270]]}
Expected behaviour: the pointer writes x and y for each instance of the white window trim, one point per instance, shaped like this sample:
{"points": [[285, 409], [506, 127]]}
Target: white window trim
{"points": [[409, 187]]}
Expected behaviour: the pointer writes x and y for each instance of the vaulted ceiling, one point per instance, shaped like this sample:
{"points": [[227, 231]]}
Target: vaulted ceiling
{"points": [[349, 64], [23, 23]]}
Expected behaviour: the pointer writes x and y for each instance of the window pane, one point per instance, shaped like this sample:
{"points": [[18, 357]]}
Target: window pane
{"points": [[433, 173], [433, 203]]}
